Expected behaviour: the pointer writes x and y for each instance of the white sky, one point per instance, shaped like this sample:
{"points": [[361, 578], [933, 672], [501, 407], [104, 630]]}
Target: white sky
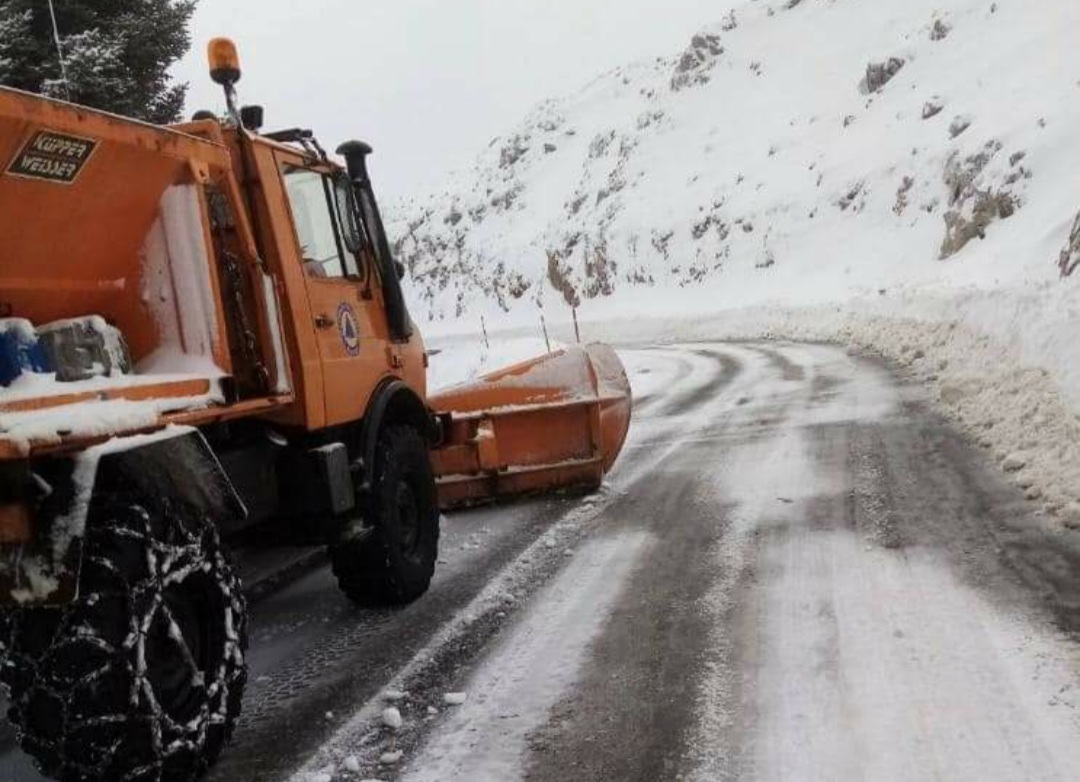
{"points": [[427, 82]]}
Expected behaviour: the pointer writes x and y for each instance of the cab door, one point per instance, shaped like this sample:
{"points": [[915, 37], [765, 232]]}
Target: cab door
{"points": [[342, 289]]}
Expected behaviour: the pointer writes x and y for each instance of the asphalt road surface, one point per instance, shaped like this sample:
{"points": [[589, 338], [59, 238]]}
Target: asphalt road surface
{"points": [[795, 572]]}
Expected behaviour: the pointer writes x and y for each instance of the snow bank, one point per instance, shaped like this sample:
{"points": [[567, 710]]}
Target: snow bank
{"points": [[985, 385]]}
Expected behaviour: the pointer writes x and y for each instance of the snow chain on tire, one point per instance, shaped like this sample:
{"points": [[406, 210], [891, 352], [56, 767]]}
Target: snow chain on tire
{"points": [[108, 689], [395, 563]]}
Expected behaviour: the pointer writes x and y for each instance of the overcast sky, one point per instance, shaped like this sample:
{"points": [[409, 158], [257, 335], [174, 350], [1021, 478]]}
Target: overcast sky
{"points": [[427, 82]]}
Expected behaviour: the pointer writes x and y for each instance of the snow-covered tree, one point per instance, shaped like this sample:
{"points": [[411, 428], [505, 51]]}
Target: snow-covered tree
{"points": [[14, 41], [116, 53]]}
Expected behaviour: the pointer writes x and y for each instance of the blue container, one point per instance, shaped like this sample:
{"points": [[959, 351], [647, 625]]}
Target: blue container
{"points": [[19, 350]]}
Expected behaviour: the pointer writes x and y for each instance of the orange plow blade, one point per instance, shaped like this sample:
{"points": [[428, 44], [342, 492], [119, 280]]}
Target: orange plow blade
{"points": [[555, 422]]}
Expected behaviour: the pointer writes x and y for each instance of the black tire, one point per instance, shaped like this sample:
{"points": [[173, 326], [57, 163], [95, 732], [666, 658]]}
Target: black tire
{"points": [[141, 678], [393, 564]]}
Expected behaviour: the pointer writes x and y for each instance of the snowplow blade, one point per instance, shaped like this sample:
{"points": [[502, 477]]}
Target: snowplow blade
{"points": [[555, 422]]}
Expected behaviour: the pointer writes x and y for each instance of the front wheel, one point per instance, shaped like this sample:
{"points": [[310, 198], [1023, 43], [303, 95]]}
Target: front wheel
{"points": [[393, 564], [142, 676]]}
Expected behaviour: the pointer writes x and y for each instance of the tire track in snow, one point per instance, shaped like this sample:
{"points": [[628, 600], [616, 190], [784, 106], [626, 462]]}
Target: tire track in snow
{"points": [[628, 717], [466, 631], [683, 368], [873, 630], [513, 689], [723, 369]]}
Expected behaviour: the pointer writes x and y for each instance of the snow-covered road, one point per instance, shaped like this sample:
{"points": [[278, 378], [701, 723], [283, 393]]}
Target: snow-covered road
{"points": [[796, 572]]}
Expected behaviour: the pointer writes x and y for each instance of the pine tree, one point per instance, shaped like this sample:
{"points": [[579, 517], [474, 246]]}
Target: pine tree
{"points": [[116, 53]]}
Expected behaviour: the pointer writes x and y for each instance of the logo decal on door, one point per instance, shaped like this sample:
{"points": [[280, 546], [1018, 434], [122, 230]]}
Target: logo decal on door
{"points": [[348, 328]]}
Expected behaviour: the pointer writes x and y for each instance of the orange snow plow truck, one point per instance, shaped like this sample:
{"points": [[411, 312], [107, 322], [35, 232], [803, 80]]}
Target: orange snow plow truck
{"points": [[203, 335]]}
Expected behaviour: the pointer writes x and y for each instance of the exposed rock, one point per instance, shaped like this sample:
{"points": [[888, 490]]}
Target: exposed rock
{"points": [[849, 198], [1070, 255], [600, 272], [695, 63], [558, 274], [961, 229], [699, 229], [549, 148], [974, 203], [939, 30], [551, 122], [660, 242], [931, 108], [504, 200], [959, 124], [960, 174], [600, 143], [902, 195], [878, 74], [513, 151]]}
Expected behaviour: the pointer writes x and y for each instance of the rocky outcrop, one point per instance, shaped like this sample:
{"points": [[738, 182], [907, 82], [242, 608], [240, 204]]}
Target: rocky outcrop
{"points": [[878, 74], [695, 63], [1070, 255], [975, 199]]}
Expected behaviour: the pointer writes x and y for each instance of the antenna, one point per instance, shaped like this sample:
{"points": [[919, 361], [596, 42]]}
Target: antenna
{"points": [[59, 51]]}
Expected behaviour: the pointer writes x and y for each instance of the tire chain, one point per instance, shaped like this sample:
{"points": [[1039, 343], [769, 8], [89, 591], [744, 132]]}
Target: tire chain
{"points": [[29, 675]]}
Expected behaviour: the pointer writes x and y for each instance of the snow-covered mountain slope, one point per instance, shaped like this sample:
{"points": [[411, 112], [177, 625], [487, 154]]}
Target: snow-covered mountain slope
{"points": [[901, 175], [797, 151]]}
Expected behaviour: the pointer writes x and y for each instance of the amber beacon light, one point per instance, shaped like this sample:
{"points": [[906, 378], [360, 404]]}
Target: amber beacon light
{"points": [[224, 61]]}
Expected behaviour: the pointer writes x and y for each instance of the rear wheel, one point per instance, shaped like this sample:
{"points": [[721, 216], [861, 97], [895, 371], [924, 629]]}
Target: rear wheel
{"points": [[393, 564], [141, 678]]}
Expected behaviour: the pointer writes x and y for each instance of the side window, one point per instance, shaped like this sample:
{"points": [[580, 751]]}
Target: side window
{"points": [[315, 212]]}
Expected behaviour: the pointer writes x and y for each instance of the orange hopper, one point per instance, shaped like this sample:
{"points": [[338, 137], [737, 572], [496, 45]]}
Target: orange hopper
{"points": [[557, 421]]}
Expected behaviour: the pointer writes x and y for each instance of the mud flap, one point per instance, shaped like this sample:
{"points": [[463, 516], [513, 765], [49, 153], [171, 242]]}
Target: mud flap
{"points": [[176, 462]]}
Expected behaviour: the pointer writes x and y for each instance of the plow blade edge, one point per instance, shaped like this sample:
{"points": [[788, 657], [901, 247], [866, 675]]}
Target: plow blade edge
{"points": [[554, 422]]}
